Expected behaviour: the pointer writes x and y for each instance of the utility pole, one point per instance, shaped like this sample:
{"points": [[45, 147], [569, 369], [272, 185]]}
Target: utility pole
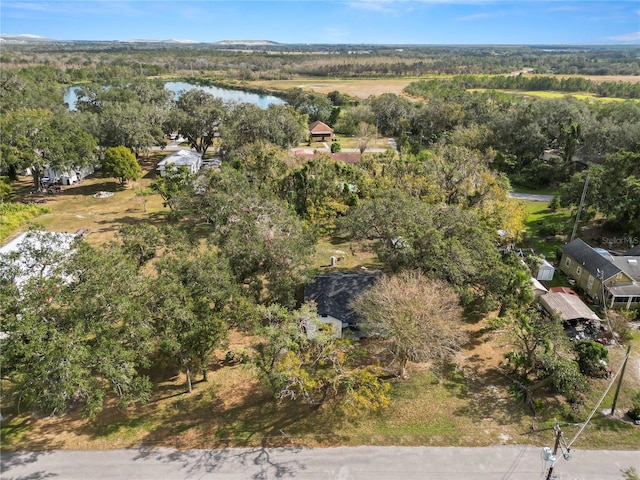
{"points": [[624, 365], [584, 194], [551, 457]]}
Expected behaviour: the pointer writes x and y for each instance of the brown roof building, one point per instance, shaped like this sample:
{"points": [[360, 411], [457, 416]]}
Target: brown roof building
{"points": [[320, 132]]}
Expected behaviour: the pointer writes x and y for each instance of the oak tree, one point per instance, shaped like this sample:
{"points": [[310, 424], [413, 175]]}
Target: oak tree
{"points": [[421, 317]]}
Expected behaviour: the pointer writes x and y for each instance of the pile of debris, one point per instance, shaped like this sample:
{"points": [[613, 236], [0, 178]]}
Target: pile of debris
{"points": [[102, 194]]}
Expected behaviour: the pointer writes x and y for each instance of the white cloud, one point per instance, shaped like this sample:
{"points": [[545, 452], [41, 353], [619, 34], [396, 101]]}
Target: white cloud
{"points": [[629, 37]]}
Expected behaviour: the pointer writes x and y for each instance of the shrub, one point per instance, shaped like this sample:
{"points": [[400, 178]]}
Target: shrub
{"points": [[13, 214], [635, 404], [592, 356]]}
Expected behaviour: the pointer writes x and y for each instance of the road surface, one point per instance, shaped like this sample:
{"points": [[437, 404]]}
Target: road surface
{"points": [[531, 196], [513, 462]]}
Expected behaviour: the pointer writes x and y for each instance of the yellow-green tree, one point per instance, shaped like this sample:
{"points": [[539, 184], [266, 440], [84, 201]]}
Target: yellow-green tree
{"points": [[120, 162], [319, 370]]}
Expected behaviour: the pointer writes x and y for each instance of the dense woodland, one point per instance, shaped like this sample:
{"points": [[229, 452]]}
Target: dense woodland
{"points": [[286, 61], [234, 248]]}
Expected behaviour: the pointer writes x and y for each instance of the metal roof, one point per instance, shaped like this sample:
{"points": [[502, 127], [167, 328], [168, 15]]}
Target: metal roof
{"points": [[567, 307], [319, 128], [179, 158]]}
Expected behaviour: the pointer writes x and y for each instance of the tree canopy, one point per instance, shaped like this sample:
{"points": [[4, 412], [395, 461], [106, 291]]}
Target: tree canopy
{"points": [[121, 163], [421, 317], [77, 329]]}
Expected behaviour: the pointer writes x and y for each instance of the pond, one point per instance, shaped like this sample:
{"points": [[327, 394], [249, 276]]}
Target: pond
{"points": [[228, 95], [263, 101]]}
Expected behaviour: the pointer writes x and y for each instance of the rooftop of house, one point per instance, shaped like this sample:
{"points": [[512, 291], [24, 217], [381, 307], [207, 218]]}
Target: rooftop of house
{"points": [[635, 251], [180, 157], [598, 265], [625, 290], [568, 307], [629, 265], [320, 128], [346, 157], [333, 292]]}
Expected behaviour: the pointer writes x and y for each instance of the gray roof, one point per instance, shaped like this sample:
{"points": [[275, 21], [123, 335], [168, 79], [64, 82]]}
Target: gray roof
{"points": [[567, 307], [629, 265], [333, 292], [627, 290], [591, 261], [635, 251]]}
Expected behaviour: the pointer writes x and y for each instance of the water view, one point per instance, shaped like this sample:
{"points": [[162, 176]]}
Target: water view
{"points": [[263, 101]]}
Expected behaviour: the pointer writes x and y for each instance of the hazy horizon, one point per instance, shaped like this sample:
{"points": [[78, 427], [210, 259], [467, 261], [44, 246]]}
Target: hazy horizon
{"points": [[370, 22]]}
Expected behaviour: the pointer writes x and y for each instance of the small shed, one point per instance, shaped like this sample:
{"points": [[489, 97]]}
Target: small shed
{"points": [[568, 307], [545, 271], [538, 288]]}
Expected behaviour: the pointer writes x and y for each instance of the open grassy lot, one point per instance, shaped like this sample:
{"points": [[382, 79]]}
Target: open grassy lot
{"points": [[469, 405], [356, 87], [541, 224], [366, 87], [550, 94], [76, 208]]}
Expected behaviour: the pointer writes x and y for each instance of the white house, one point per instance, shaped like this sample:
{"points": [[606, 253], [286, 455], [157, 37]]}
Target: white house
{"points": [[70, 176], [35, 253], [186, 158]]}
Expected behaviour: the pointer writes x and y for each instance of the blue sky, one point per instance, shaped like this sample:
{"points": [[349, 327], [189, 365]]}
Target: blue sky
{"points": [[326, 21]]}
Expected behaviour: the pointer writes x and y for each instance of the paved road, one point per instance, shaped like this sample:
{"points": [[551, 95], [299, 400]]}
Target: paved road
{"points": [[530, 196], [356, 463]]}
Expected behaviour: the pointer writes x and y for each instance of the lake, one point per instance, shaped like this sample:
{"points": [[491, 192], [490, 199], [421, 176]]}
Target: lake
{"points": [[263, 101]]}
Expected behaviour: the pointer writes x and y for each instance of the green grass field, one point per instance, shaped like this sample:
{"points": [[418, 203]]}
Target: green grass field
{"points": [[540, 226]]}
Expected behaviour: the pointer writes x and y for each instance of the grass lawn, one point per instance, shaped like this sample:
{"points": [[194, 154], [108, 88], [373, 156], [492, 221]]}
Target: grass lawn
{"points": [[539, 218], [467, 406], [534, 191], [356, 87], [75, 207]]}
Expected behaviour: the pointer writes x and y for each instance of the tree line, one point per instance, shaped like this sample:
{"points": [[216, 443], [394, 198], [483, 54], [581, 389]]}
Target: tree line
{"points": [[532, 83], [95, 61]]}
